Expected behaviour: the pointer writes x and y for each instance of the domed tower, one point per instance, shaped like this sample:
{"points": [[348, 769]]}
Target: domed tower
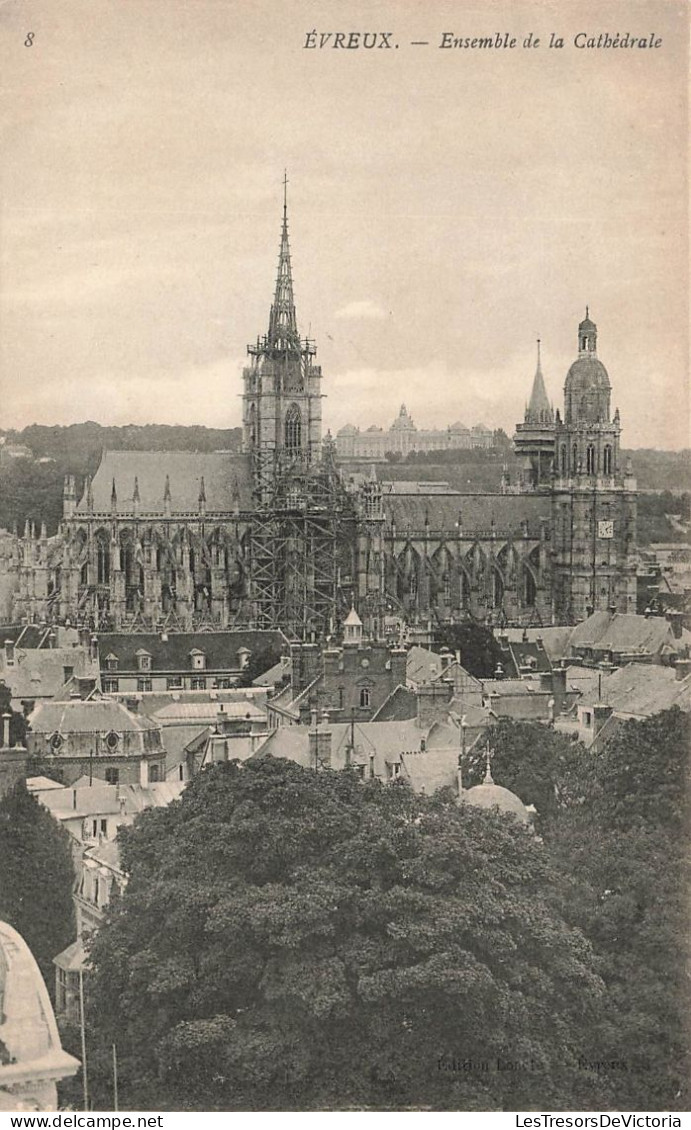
{"points": [[594, 504], [534, 439]]}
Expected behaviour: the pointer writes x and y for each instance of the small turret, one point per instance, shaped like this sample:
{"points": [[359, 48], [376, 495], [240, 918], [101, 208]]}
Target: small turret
{"points": [[69, 496]]}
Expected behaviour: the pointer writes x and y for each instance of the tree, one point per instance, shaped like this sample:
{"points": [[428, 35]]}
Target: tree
{"points": [[541, 765], [298, 940], [626, 841], [36, 877], [479, 650]]}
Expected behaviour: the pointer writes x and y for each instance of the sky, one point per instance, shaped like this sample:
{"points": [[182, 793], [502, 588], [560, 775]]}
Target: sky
{"points": [[447, 207]]}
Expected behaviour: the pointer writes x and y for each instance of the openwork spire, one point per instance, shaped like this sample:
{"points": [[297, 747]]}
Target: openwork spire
{"points": [[283, 333]]}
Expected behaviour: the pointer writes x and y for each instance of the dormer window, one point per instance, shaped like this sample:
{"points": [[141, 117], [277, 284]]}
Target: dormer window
{"points": [[198, 660], [112, 662], [55, 740], [143, 660]]}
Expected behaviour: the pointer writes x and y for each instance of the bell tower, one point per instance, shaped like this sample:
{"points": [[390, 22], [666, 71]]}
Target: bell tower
{"points": [[282, 414], [594, 503]]}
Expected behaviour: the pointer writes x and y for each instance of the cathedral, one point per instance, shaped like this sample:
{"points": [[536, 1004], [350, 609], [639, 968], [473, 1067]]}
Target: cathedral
{"points": [[278, 537]]}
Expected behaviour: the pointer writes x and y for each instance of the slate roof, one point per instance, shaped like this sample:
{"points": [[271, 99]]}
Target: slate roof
{"points": [[275, 674], [512, 687], [157, 794], [641, 689], [78, 716], [205, 712], [173, 653], [476, 510], [519, 656], [555, 640], [623, 633], [227, 482], [106, 853], [71, 802], [73, 958], [40, 672], [422, 665], [400, 705], [385, 740], [431, 769]]}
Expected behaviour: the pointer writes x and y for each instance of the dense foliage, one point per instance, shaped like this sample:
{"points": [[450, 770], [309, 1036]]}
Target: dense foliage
{"points": [[36, 877], [33, 490], [480, 651], [299, 940], [627, 847]]}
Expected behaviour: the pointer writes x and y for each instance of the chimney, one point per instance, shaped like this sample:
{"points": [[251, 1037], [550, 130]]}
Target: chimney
{"points": [[9, 653], [221, 719], [446, 658], [399, 658], [559, 689], [682, 668], [432, 700], [5, 731], [319, 744], [675, 619], [144, 773]]}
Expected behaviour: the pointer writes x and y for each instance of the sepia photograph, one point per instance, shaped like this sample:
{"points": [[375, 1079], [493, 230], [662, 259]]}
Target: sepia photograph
{"points": [[345, 560]]}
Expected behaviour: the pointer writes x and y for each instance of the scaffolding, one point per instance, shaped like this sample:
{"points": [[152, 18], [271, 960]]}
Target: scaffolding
{"points": [[302, 547]]}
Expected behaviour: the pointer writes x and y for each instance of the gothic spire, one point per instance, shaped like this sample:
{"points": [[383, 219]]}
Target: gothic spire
{"points": [[539, 410], [283, 333]]}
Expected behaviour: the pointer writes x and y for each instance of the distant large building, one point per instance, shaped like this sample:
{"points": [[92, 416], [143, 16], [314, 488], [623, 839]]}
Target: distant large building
{"points": [[403, 437], [275, 538]]}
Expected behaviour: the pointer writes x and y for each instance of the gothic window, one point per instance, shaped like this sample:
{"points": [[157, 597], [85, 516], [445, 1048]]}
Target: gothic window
{"points": [[341, 698], [497, 589], [563, 460], [464, 589], [412, 584], [446, 588], [364, 696], [253, 424], [293, 429], [574, 457], [530, 590], [590, 459], [607, 459]]}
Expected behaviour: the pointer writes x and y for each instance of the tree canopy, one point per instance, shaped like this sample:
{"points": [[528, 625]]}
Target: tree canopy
{"points": [[479, 650], [36, 877], [299, 940]]}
